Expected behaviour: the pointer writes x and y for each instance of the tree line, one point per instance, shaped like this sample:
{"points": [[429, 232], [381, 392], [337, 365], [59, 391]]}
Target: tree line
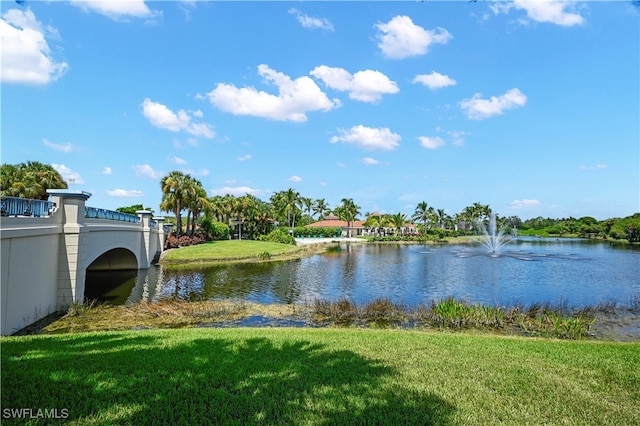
{"points": [[185, 197]]}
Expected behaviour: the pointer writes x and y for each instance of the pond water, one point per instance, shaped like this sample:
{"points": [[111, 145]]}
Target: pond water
{"points": [[529, 270]]}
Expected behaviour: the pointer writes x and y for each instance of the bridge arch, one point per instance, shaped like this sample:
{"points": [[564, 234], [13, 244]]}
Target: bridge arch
{"points": [[111, 276], [115, 259]]}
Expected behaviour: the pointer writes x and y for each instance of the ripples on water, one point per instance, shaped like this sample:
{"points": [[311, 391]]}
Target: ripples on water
{"points": [[578, 272]]}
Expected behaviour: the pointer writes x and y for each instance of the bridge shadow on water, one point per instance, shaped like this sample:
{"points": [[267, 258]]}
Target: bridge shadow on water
{"points": [[115, 378], [112, 287]]}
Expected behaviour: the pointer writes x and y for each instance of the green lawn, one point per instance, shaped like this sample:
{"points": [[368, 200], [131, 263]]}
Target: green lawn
{"points": [[215, 251], [279, 376]]}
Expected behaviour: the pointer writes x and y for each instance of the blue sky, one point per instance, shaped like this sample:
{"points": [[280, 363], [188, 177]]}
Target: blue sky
{"points": [[530, 107]]}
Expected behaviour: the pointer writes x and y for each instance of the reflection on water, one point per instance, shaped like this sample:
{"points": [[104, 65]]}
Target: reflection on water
{"points": [[119, 287], [109, 286], [579, 272]]}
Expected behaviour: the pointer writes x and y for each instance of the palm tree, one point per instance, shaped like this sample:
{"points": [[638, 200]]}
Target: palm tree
{"points": [[176, 188], [440, 216], [449, 222], [423, 213], [246, 208], [287, 205], [398, 220], [263, 218], [320, 208], [308, 204], [46, 177], [348, 211], [196, 202], [29, 180], [377, 221], [476, 212], [217, 208], [229, 208]]}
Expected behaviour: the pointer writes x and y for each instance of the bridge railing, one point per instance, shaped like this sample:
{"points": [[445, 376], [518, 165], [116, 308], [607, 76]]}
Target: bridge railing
{"points": [[98, 213], [23, 207]]}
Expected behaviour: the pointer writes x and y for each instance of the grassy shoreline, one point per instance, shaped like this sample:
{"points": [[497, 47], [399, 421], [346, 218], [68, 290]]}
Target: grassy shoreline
{"points": [[601, 322], [215, 252], [276, 376], [232, 251]]}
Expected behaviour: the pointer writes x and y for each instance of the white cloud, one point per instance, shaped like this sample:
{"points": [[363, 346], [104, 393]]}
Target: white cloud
{"points": [[245, 157], [364, 86], [25, 54], [294, 99], [177, 160], [310, 22], [147, 171], [71, 177], [400, 38], [236, 191], [161, 116], [477, 108], [192, 172], [294, 178], [369, 138], [431, 142], [117, 9], [64, 147], [524, 204], [560, 12], [370, 161], [596, 167], [457, 137], [107, 171], [125, 193], [434, 80]]}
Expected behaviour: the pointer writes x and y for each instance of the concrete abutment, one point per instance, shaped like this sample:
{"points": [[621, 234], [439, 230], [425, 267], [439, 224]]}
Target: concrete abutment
{"points": [[45, 259]]}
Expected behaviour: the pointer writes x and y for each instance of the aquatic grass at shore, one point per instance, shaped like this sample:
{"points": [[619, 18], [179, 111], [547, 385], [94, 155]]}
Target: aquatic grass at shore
{"points": [[535, 320]]}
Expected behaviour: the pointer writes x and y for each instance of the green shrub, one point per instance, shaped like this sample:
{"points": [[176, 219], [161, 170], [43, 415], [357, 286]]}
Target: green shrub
{"points": [[279, 235], [217, 230], [265, 255], [308, 231]]}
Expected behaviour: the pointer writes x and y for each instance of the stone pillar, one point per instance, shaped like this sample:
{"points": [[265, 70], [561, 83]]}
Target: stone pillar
{"points": [[160, 235], [72, 244], [145, 245]]}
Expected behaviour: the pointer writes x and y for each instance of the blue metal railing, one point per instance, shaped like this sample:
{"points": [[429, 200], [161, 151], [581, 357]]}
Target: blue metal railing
{"points": [[23, 207], [97, 213]]}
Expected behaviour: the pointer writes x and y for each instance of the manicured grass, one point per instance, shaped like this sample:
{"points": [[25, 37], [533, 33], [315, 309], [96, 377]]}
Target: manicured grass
{"points": [[215, 251], [278, 376]]}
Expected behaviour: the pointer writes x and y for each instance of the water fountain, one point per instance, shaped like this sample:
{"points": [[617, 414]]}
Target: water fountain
{"points": [[493, 238]]}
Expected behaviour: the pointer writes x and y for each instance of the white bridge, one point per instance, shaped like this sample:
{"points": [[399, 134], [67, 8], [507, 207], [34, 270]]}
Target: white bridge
{"points": [[48, 247]]}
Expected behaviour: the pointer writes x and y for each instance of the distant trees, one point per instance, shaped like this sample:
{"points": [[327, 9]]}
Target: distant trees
{"points": [[423, 213], [616, 228], [29, 180], [398, 220], [320, 208], [287, 205], [182, 192], [377, 222], [133, 209], [347, 211], [288, 209]]}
